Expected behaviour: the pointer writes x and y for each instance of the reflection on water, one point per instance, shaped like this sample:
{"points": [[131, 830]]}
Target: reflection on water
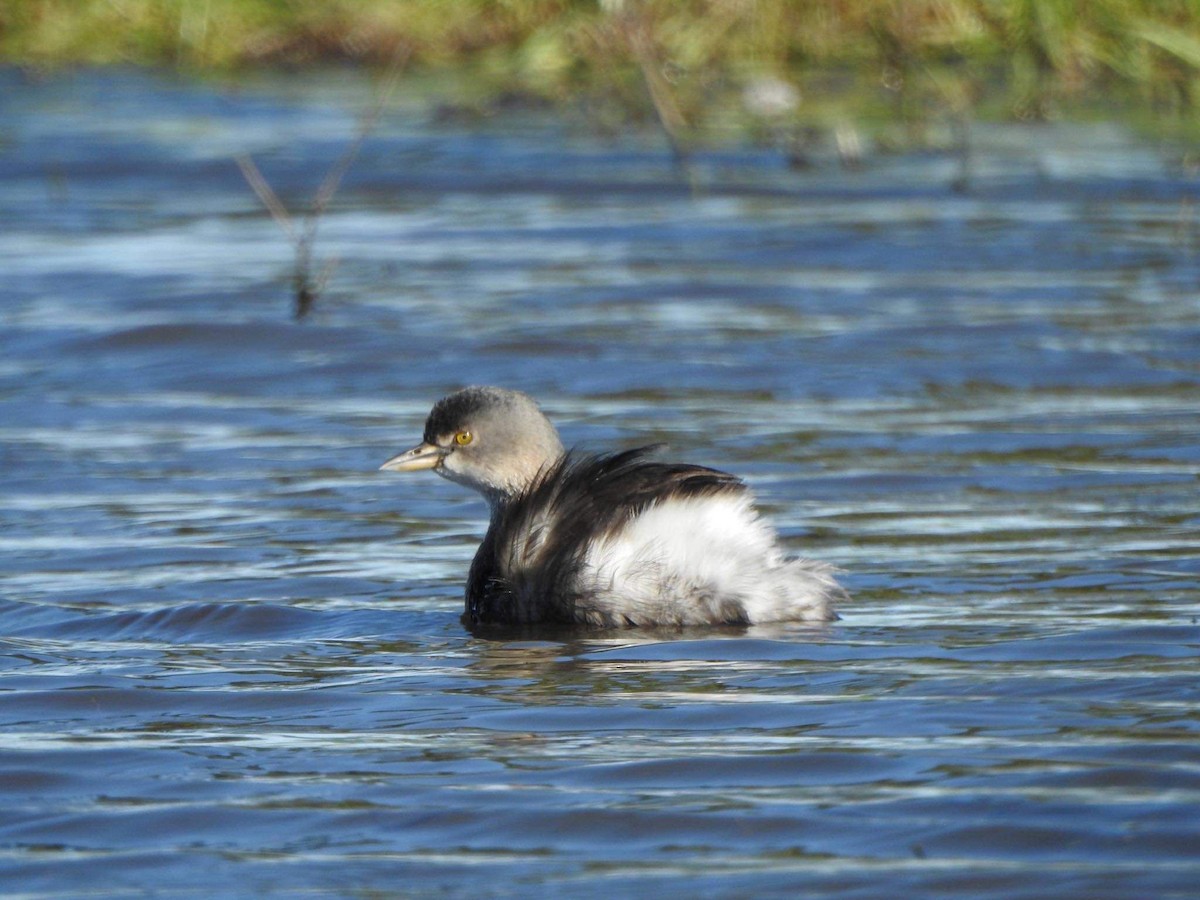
{"points": [[232, 657]]}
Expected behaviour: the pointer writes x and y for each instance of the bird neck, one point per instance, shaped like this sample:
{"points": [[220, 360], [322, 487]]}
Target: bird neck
{"points": [[497, 501], [499, 496]]}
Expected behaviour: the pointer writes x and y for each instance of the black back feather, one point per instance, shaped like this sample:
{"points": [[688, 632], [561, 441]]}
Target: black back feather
{"points": [[528, 566]]}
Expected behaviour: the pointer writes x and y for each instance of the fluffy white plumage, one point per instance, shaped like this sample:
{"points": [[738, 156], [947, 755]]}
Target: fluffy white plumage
{"points": [[707, 552]]}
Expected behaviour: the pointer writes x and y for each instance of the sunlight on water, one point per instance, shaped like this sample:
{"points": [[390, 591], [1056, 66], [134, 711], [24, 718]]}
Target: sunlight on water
{"points": [[232, 660]]}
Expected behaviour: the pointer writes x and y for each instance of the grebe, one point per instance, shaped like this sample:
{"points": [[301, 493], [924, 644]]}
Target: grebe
{"points": [[608, 540]]}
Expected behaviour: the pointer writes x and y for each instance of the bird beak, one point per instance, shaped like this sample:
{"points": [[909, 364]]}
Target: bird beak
{"points": [[422, 456]]}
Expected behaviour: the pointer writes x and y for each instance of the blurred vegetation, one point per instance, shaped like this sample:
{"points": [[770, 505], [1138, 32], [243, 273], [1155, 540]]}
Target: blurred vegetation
{"points": [[689, 62]]}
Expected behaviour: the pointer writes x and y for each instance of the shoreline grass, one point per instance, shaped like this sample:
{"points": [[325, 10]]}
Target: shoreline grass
{"points": [[767, 61]]}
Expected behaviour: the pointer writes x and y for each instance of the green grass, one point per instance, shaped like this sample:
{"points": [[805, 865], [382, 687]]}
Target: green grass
{"points": [[911, 61]]}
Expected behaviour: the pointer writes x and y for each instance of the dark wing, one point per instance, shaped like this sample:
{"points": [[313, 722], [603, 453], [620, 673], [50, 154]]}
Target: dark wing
{"points": [[527, 568]]}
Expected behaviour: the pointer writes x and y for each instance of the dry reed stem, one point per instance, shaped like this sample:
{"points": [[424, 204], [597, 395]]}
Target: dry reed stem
{"points": [[307, 289]]}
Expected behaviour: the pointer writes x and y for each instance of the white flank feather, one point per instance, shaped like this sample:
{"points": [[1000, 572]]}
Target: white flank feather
{"points": [[696, 560]]}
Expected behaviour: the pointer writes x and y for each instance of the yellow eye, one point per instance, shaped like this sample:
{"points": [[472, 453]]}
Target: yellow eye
{"points": [[463, 438]]}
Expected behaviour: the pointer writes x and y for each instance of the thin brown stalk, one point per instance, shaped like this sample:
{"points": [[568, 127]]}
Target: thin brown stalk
{"points": [[307, 288], [333, 178], [636, 32], [254, 178]]}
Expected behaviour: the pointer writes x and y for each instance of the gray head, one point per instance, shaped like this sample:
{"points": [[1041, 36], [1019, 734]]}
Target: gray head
{"points": [[491, 439]]}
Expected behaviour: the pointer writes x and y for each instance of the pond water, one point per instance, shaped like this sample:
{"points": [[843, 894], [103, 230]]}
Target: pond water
{"points": [[231, 656]]}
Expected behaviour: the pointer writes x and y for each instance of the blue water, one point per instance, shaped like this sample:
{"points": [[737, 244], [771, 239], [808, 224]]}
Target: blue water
{"points": [[231, 657]]}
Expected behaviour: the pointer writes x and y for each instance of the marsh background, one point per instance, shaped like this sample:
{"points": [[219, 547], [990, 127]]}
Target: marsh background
{"points": [[925, 274]]}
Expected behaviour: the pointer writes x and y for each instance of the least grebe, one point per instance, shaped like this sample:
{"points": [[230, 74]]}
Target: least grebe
{"points": [[607, 540]]}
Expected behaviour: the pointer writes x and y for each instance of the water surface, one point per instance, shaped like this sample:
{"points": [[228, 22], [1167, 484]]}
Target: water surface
{"points": [[232, 662]]}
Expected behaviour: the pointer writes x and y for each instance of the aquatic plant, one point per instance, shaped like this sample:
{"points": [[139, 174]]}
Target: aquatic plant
{"points": [[683, 62], [307, 286]]}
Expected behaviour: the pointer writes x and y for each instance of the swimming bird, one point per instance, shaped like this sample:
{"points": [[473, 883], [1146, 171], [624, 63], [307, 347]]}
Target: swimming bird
{"points": [[607, 540]]}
